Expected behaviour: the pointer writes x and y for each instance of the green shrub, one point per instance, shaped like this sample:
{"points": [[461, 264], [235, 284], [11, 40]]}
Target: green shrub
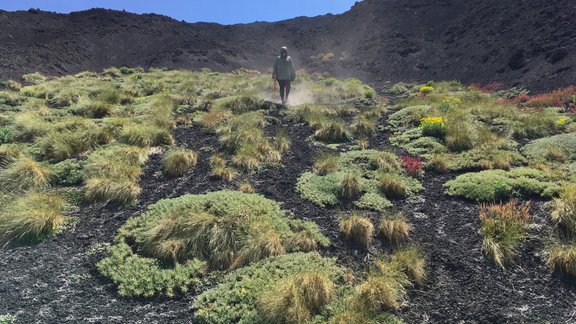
{"points": [[535, 125], [141, 276], [179, 161], [499, 184], [409, 116], [503, 230], [539, 149], [236, 298], [67, 173], [6, 135], [31, 217], [433, 127], [8, 319], [414, 144], [25, 174], [483, 158], [225, 229]]}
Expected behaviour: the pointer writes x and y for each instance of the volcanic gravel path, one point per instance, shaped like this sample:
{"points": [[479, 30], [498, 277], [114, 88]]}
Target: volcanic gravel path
{"points": [[56, 281]]}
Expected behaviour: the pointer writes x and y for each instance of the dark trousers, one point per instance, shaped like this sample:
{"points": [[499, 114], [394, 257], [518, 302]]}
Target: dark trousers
{"points": [[284, 90]]}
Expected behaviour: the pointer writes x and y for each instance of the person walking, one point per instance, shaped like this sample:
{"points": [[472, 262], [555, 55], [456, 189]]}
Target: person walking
{"points": [[284, 73]]}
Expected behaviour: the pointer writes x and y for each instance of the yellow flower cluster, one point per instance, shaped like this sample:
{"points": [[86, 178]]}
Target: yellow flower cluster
{"points": [[432, 120], [433, 126], [561, 121], [452, 100], [426, 89]]}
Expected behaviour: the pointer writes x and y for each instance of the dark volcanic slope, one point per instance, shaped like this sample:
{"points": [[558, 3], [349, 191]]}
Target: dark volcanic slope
{"points": [[526, 42]]}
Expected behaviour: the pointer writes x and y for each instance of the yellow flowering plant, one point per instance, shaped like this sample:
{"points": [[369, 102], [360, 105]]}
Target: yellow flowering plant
{"points": [[562, 121], [449, 103], [433, 126], [426, 89]]}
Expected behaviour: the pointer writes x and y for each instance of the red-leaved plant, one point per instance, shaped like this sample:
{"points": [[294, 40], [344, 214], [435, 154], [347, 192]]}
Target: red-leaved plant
{"points": [[413, 165]]}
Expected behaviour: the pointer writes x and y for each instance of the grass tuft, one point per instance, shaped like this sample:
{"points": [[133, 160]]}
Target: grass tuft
{"points": [[298, 298], [31, 217], [25, 174], [350, 186], [396, 231], [358, 229], [562, 258], [179, 161], [503, 229]]}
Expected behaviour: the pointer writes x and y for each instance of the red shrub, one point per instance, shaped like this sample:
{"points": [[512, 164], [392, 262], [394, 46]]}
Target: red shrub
{"points": [[556, 98], [412, 165]]}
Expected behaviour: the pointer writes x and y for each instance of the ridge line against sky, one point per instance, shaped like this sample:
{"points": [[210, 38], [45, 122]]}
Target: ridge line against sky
{"points": [[219, 11]]}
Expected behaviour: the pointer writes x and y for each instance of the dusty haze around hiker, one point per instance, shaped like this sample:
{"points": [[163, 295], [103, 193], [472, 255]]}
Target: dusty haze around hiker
{"points": [[421, 170]]}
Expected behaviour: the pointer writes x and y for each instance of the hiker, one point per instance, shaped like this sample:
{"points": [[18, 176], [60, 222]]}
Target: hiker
{"points": [[284, 73]]}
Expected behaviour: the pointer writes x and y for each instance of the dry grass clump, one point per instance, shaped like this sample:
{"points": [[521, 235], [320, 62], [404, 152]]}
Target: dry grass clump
{"points": [[332, 131], [246, 187], [145, 135], [28, 125], [9, 153], [562, 258], [95, 109], [220, 169], [111, 190], [25, 174], [326, 163], [73, 137], [112, 173], [298, 298], [350, 186], [179, 161], [395, 230], [564, 209], [384, 289], [393, 185], [282, 141], [411, 261], [358, 229], [503, 229], [31, 217]]}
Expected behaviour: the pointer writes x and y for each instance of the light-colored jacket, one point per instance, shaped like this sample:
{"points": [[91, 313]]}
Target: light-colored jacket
{"points": [[284, 69]]}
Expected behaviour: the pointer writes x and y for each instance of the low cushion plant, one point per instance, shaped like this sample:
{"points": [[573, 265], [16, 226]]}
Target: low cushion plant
{"points": [[225, 230], [365, 177], [499, 184]]}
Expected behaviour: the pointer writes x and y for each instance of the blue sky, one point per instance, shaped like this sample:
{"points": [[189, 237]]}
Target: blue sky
{"points": [[221, 11]]}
